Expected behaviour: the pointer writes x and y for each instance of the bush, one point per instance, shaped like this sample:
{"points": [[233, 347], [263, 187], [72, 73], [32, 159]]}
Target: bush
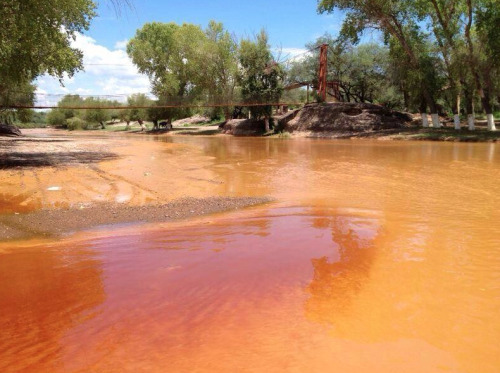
{"points": [[56, 118], [89, 126], [75, 123]]}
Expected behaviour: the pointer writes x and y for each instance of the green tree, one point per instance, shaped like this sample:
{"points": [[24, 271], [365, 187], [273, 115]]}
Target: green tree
{"points": [[220, 58], [69, 106], [365, 72], [23, 95], [167, 54], [261, 76], [25, 115], [96, 114], [397, 19], [141, 100], [35, 39], [56, 118], [484, 50]]}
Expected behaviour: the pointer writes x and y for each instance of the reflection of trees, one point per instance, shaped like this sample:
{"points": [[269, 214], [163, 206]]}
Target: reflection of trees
{"points": [[336, 283], [44, 293]]}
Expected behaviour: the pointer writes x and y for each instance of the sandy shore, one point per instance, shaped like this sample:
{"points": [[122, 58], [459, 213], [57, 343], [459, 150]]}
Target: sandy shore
{"points": [[56, 182], [50, 222]]}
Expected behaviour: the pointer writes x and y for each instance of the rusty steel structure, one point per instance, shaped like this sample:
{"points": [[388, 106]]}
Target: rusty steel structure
{"points": [[323, 62]]}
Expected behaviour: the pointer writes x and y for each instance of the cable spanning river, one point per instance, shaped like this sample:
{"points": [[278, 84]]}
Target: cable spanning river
{"points": [[374, 257]]}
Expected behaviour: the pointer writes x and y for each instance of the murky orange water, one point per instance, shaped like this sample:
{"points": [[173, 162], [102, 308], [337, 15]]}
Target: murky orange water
{"points": [[376, 257]]}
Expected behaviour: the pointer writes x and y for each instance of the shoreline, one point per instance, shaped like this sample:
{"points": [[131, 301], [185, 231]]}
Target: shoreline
{"points": [[411, 134], [448, 134], [405, 134], [56, 222]]}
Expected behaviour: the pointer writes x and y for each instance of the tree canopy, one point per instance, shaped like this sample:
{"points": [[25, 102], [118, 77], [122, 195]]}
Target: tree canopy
{"points": [[444, 49], [35, 39]]}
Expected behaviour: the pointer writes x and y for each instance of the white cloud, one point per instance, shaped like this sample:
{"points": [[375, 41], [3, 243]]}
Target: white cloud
{"points": [[83, 91], [107, 72], [291, 54], [121, 44]]}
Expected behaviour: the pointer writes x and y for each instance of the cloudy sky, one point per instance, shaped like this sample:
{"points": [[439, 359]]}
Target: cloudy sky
{"points": [[109, 72]]}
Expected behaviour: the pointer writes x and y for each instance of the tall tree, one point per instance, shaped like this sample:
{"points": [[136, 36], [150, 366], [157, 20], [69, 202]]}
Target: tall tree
{"points": [[445, 19], [261, 76], [484, 56], [397, 19], [167, 54], [35, 39], [220, 57]]}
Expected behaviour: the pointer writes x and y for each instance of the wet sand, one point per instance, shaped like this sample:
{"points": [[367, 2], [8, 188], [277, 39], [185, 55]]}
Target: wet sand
{"points": [[50, 222], [56, 182]]}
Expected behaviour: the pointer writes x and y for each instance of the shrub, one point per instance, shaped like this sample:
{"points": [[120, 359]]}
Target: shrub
{"points": [[56, 118], [75, 123]]}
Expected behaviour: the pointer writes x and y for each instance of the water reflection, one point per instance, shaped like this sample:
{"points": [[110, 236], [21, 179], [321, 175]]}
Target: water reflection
{"points": [[45, 292], [336, 283], [388, 262], [11, 203], [286, 289]]}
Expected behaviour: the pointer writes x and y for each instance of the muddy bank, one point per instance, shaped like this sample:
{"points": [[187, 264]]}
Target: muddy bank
{"points": [[55, 222], [347, 118], [326, 120]]}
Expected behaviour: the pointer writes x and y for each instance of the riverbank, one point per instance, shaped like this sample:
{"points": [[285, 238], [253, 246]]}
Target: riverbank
{"points": [[406, 134], [55, 181]]}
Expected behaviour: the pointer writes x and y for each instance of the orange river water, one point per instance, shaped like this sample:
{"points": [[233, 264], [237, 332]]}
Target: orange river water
{"points": [[376, 257]]}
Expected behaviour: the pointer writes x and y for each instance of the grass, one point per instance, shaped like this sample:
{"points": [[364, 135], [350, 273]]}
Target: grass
{"points": [[30, 125], [198, 133], [214, 122], [482, 116], [120, 128], [450, 134]]}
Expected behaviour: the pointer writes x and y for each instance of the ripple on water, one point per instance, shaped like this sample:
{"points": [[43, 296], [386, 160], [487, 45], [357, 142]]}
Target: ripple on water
{"points": [[302, 289]]}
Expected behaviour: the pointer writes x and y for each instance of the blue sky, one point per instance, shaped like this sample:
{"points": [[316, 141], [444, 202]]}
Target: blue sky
{"points": [[290, 25]]}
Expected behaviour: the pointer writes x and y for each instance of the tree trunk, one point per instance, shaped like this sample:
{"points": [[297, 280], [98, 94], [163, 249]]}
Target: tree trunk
{"points": [[266, 124], [423, 113], [227, 113], [469, 106], [456, 112], [396, 29], [483, 94], [406, 99], [432, 105]]}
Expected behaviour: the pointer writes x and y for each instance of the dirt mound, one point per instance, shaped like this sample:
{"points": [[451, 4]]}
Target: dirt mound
{"points": [[195, 119], [6, 130], [347, 118], [243, 127]]}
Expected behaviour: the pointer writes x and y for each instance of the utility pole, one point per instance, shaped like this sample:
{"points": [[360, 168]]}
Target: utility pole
{"points": [[323, 61]]}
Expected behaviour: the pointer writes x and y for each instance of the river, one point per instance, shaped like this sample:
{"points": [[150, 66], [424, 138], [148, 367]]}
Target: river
{"points": [[376, 256]]}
